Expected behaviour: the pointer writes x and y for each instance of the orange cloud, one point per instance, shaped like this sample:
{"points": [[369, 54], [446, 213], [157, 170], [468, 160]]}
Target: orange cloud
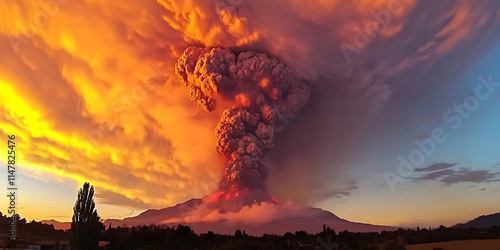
{"points": [[212, 23], [111, 115]]}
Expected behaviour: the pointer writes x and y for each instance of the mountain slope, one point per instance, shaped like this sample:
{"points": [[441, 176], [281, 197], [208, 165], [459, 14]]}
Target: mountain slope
{"points": [[256, 212], [58, 225], [482, 221]]}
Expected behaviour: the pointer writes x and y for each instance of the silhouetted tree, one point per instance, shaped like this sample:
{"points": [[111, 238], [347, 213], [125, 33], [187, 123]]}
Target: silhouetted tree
{"points": [[331, 233], [86, 227], [183, 236], [210, 235], [301, 234], [238, 233]]}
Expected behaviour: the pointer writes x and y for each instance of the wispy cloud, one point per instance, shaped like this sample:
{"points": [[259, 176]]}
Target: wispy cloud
{"points": [[470, 175], [444, 173], [436, 167], [342, 189]]}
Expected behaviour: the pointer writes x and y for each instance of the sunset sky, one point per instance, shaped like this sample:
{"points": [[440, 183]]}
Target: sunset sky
{"points": [[88, 88]]}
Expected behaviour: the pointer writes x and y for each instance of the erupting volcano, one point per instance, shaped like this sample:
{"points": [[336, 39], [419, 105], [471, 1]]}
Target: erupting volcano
{"points": [[256, 92]]}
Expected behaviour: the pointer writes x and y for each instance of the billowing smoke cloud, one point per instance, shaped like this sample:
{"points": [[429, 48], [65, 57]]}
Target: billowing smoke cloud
{"points": [[259, 91]]}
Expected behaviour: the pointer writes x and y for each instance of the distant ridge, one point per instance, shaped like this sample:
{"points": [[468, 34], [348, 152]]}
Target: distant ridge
{"points": [[57, 225], [482, 221]]}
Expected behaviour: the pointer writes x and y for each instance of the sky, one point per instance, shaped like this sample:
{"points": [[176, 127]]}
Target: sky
{"points": [[89, 90]]}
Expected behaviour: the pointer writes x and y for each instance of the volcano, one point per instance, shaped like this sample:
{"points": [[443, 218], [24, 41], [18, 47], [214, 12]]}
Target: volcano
{"points": [[252, 210], [257, 93]]}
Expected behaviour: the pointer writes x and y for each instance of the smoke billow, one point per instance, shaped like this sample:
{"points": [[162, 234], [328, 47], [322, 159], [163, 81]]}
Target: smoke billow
{"points": [[257, 91]]}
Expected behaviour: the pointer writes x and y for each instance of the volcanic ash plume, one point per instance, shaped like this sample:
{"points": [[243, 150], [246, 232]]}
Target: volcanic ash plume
{"points": [[258, 92]]}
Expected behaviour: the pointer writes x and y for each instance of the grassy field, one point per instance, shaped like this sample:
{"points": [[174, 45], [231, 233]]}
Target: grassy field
{"points": [[459, 245]]}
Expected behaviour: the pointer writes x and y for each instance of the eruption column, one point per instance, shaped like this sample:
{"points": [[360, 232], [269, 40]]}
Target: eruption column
{"points": [[262, 90]]}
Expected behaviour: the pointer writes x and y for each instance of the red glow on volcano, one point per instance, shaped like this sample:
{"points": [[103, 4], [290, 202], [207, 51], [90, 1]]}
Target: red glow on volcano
{"points": [[277, 201], [213, 198], [233, 199]]}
